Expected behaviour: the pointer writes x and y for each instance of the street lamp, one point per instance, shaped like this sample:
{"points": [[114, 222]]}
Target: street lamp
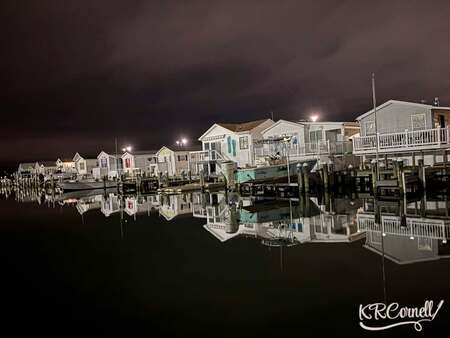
{"points": [[314, 118], [182, 142], [127, 148]]}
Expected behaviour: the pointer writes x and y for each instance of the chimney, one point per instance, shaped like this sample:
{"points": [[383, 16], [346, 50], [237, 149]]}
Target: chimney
{"points": [[436, 101]]}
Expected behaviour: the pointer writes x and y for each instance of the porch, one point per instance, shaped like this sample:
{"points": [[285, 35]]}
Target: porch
{"points": [[425, 139]]}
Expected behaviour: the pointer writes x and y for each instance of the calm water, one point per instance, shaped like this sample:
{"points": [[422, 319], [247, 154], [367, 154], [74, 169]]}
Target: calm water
{"points": [[206, 265]]}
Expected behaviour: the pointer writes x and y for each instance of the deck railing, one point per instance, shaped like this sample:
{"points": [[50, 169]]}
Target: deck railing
{"points": [[304, 150], [407, 140], [205, 156], [414, 227]]}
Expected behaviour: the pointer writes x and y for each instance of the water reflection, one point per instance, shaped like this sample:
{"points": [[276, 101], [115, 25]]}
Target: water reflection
{"points": [[403, 232]]}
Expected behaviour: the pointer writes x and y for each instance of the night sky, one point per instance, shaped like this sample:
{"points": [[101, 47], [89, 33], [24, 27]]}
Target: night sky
{"points": [[77, 74]]}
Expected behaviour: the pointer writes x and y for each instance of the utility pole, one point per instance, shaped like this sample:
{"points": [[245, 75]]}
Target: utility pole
{"points": [[374, 99]]}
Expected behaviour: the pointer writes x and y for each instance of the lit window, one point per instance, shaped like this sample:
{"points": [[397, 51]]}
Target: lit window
{"points": [[243, 142]]}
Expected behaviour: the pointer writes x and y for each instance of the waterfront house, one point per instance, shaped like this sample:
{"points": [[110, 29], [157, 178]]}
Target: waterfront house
{"points": [[228, 142], [174, 161], [139, 162], [406, 130], [305, 141], [47, 167], [66, 165], [108, 166], [27, 169], [84, 164]]}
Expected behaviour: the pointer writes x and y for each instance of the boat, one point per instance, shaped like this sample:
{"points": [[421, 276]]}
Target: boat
{"points": [[73, 185]]}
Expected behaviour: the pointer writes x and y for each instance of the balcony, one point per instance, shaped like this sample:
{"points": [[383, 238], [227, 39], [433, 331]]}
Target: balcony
{"points": [[403, 141], [302, 151]]}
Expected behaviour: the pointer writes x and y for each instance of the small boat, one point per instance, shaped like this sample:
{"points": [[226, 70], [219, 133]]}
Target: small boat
{"points": [[73, 185]]}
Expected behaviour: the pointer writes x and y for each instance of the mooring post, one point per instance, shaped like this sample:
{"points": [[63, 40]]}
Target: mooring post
{"points": [[300, 178], [305, 177], [202, 179], [374, 177], [325, 176], [400, 177]]}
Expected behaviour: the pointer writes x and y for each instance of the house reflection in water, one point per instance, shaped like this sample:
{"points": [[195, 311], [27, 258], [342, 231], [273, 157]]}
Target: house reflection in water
{"points": [[110, 204], [402, 235], [172, 206], [272, 220]]}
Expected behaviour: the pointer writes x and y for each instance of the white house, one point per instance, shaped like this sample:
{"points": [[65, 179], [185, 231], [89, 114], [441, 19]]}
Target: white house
{"points": [[305, 140], [406, 130], [229, 142], [66, 165], [84, 165], [174, 161], [139, 162], [108, 166], [28, 169]]}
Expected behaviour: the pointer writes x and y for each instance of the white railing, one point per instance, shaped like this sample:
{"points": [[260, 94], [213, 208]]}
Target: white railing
{"points": [[414, 227], [205, 156], [303, 150], [417, 139]]}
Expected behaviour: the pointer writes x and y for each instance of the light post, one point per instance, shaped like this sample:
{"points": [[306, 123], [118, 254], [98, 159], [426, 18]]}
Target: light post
{"points": [[314, 117]]}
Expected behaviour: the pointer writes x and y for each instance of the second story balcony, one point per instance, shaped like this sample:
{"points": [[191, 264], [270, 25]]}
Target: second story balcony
{"points": [[425, 139]]}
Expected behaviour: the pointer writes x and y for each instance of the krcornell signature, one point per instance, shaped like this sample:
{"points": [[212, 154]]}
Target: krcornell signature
{"points": [[398, 315]]}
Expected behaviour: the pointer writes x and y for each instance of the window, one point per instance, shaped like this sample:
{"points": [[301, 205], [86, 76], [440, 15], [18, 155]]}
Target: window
{"points": [[103, 163], [128, 163], [315, 136], [369, 128], [81, 166], [243, 142], [182, 158], [418, 122]]}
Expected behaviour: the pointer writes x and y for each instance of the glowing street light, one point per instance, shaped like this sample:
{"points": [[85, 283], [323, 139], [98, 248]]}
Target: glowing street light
{"points": [[181, 142], [314, 118], [127, 148]]}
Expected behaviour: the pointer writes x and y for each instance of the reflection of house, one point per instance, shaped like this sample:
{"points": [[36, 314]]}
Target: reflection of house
{"points": [[89, 203], [110, 204], [228, 141], [280, 219], [174, 161], [107, 166], [407, 240], [84, 165], [172, 206], [404, 127], [135, 206], [140, 162]]}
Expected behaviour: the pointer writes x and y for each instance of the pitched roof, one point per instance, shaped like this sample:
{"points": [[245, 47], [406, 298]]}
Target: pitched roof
{"points": [[244, 126], [86, 156], [387, 103], [47, 163], [26, 165], [143, 152]]}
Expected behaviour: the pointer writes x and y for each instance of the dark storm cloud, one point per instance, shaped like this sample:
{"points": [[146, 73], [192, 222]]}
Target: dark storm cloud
{"points": [[77, 74]]}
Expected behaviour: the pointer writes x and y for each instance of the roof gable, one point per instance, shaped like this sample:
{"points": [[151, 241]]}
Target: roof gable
{"points": [[387, 103], [276, 124]]}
